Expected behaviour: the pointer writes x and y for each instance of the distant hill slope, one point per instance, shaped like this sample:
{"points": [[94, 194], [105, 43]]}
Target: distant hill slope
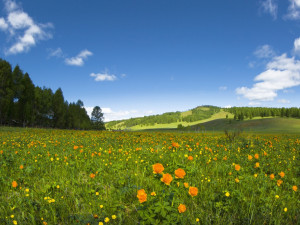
{"points": [[171, 119]]}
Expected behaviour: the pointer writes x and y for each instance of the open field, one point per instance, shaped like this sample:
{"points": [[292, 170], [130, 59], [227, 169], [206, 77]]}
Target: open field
{"points": [[87, 177]]}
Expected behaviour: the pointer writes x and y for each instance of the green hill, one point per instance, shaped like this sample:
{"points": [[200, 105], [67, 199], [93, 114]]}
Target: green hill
{"points": [[170, 119], [215, 119], [262, 125]]}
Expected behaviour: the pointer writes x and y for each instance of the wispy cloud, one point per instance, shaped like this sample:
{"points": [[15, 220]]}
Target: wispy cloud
{"points": [[58, 53], [293, 10], [23, 30], [284, 101], [110, 114], [271, 7], [223, 88], [264, 51], [104, 76], [281, 73], [79, 59]]}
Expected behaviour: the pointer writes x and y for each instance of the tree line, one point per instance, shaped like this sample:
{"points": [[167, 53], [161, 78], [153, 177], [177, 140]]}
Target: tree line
{"points": [[241, 113], [26, 105]]}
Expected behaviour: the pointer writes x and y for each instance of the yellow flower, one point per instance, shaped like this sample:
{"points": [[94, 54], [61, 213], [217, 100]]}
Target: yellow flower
{"points": [[97, 193], [250, 157], [153, 193], [285, 209], [114, 217], [197, 220], [15, 222], [237, 180], [100, 223], [186, 185], [227, 194], [277, 196], [255, 175], [101, 206], [106, 220], [12, 216]]}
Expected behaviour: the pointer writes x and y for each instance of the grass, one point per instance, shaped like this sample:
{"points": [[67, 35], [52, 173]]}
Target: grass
{"points": [[215, 116], [89, 177], [265, 125]]}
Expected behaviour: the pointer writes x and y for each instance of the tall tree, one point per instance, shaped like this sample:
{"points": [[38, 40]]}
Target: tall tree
{"points": [[6, 92], [26, 101], [97, 118], [59, 109]]}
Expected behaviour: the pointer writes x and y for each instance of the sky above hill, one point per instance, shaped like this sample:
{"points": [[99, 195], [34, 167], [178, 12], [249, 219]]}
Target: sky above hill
{"points": [[141, 57]]}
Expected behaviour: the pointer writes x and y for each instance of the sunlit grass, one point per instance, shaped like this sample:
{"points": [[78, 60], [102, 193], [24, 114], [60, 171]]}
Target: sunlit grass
{"points": [[88, 177]]}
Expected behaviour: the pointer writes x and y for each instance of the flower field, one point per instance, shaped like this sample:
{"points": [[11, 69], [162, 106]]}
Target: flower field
{"points": [[89, 177]]}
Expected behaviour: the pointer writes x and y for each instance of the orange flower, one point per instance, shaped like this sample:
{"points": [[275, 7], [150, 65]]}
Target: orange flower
{"points": [[256, 156], [21, 167], [193, 191], [190, 158], [279, 182], [272, 176], [167, 178], [175, 145], [158, 168], [142, 195], [180, 173], [295, 188], [256, 165], [92, 175], [237, 167], [14, 184], [181, 208], [282, 174], [250, 157], [186, 185], [75, 147]]}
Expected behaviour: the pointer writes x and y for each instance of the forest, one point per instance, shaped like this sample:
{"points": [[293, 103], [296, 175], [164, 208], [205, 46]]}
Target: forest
{"points": [[23, 104], [241, 113]]}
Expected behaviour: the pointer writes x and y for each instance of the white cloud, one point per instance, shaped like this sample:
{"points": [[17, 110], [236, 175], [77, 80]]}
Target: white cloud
{"points": [[284, 101], [3, 24], [297, 46], [293, 10], [223, 88], [24, 31], [103, 76], [79, 59], [56, 53], [110, 114], [264, 51], [269, 6], [281, 73]]}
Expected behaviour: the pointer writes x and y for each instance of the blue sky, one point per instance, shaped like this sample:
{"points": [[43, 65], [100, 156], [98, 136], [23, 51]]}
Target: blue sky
{"points": [[141, 57]]}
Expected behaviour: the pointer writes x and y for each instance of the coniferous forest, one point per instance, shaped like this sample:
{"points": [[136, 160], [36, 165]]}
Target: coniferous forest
{"points": [[25, 105]]}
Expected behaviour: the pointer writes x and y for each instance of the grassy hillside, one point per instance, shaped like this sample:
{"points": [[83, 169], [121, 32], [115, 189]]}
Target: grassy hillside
{"points": [[266, 125], [170, 119]]}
